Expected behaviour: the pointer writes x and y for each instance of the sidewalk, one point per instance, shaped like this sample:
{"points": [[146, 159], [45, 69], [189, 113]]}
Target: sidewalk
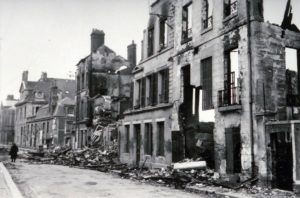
{"points": [[8, 188]]}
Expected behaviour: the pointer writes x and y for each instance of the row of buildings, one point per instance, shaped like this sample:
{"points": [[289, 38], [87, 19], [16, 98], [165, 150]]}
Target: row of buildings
{"points": [[214, 82]]}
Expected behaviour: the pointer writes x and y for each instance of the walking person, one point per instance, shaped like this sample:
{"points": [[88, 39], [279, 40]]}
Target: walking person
{"points": [[13, 152]]}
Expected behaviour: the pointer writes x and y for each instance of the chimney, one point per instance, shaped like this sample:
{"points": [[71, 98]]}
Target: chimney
{"points": [[44, 76], [10, 97], [97, 39], [25, 76], [131, 54]]}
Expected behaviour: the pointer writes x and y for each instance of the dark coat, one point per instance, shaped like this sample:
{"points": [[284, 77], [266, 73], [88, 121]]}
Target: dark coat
{"points": [[14, 151]]}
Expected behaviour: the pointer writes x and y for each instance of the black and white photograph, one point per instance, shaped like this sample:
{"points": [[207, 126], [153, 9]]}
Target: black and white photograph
{"points": [[149, 98]]}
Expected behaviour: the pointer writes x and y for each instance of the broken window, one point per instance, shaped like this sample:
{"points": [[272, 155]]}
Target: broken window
{"points": [[150, 41], [164, 86], [187, 22], [230, 7], [152, 89], [82, 80], [230, 94], [207, 14], [292, 76], [148, 139], [131, 95], [163, 36], [161, 139], [127, 140], [233, 150], [206, 76]]}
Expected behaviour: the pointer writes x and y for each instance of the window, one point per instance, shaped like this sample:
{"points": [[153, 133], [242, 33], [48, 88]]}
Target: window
{"points": [[187, 22], [82, 80], [138, 97], [148, 139], [230, 94], [233, 150], [206, 76], [47, 127], [230, 7], [292, 76], [70, 110], [150, 41], [143, 92], [161, 138], [163, 36], [127, 140], [164, 86], [152, 89], [207, 14]]}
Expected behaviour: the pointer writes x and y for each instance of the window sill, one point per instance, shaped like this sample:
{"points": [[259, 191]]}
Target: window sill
{"points": [[227, 18], [148, 108], [230, 108], [206, 30], [186, 40], [156, 54]]}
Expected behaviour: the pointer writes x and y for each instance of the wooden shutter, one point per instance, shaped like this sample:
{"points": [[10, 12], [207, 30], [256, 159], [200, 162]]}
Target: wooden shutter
{"points": [[143, 96], [154, 89], [233, 150], [206, 73], [166, 86]]}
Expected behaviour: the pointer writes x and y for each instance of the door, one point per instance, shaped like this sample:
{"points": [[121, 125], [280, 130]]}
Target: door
{"points": [[177, 146], [282, 160], [137, 131]]}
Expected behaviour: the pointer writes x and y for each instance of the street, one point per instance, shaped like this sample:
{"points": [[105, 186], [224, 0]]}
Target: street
{"points": [[60, 181]]}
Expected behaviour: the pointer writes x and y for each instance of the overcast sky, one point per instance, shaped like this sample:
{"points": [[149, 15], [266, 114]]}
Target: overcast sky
{"points": [[53, 35]]}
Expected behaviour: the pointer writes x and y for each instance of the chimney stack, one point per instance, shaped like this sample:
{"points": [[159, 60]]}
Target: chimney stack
{"points": [[131, 54], [44, 76], [25, 76], [97, 39]]}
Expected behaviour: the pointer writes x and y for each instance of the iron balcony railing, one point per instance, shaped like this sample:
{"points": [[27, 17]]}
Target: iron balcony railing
{"points": [[228, 97], [207, 23]]}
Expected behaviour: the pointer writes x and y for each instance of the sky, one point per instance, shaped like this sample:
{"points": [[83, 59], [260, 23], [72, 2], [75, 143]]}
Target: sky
{"points": [[53, 35]]}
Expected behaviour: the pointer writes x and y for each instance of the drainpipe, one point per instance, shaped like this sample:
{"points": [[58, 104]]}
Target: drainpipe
{"points": [[250, 87]]}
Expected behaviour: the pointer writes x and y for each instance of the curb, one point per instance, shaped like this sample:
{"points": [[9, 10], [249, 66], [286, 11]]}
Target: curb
{"points": [[10, 183], [215, 192]]}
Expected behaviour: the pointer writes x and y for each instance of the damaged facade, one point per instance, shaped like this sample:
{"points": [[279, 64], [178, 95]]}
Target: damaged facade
{"points": [[103, 88], [214, 71], [45, 112], [7, 120]]}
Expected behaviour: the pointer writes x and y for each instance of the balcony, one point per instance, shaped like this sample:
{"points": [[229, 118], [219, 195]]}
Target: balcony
{"points": [[229, 99], [207, 23]]}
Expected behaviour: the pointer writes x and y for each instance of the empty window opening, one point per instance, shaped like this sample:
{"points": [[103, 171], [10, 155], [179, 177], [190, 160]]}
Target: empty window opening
{"points": [[150, 41], [230, 7], [230, 95], [292, 76], [187, 22], [207, 14], [138, 89], [148, 139], [161, 139], [163, 33]]}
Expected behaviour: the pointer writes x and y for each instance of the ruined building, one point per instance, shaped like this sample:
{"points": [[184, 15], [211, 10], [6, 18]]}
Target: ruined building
{"points": [[45, 112], [7, 120], [103, 87], [215, 82]]}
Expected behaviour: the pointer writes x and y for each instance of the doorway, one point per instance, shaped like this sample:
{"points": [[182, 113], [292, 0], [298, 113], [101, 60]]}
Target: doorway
{"points": [[282, 160], [137, 134], [177, 146]]}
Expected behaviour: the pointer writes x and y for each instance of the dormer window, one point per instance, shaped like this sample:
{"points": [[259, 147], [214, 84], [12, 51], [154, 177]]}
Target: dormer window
{"points": [[207, 14], [150, 41], [187, 22], [230, 7]]}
